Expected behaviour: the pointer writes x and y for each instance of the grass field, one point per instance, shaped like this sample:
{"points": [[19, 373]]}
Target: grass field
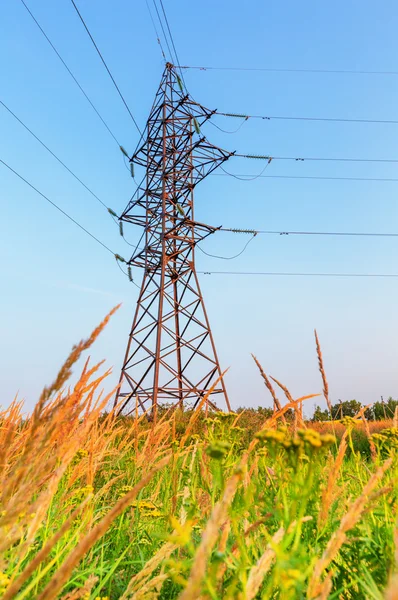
{"points": [[96, 507]]}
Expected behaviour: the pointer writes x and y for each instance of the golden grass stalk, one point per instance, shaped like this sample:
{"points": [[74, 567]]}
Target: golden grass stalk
{"points": [[329, 492], [326, 587], [66, 369], [261, 568], [209, 538], [139, 581], [323, 374], [62, 575], [268, 384], [83, 592], [151, 589], [297, 406], [339, 537]]}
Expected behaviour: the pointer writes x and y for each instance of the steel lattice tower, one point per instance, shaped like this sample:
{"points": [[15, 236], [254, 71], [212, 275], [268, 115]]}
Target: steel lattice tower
{"points": [[171, 355]]}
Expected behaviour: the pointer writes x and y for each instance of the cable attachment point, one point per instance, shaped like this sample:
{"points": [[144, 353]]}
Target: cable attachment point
{"points": [[196, 125], [260, 157], [112, 212], [237, 115], [121, 228], [179, 82], [119, 258], [250, 231], [132, 169], [180, 209], [129, 273], [123, 151]]}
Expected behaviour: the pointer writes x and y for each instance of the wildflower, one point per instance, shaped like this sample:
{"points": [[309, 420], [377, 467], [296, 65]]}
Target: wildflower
{"points": [[349, 421], [182, 532], [80, 454], [85, 491], [4, 581], [124, 490], [146, 508]]}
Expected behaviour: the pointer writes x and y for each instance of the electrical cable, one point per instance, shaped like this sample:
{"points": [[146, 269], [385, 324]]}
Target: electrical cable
{"points": [[53, 154], [172, 42], [274, 70], [70, 73], [326, 233], [316, 158], [225, 130], [156, 31], [245, 177], [115, 255], [106, 67], [57, 207], [227, 257], [281, 274], [285, 118], [163, 30]]}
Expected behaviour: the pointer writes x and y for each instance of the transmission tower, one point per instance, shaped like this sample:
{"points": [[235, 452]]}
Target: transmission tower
{"points": [[171, 355]]}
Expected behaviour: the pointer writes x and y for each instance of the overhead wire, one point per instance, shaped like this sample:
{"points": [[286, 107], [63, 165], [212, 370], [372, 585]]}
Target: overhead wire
{"points": [[117, 256], [110, 211], [106, 67], [288, 274], [316, 158], [53, 154], [172, 42], [314, 233], [58, 207], [71, 74], [246, 177], [287, 118], [281, 70], [156, 31], [163, 30], [228, 257]]}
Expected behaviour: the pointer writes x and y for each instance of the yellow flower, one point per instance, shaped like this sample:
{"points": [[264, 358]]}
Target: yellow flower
{"points": [[4, 581], [182, 533]]}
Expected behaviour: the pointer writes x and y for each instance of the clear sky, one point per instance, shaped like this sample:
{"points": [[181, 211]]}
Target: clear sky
{"points": [[57, 283]]}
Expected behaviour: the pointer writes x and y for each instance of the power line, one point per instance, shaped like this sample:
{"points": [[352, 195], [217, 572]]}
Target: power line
{"points": [[316, 158], [156, 31], [326, 233], [275, 70], [172, 41], [254, 233], [57, 207], [106, 67], [70, 73], [281, 274], [246, 177], [163, 30], [286, 118], [53, 154]]}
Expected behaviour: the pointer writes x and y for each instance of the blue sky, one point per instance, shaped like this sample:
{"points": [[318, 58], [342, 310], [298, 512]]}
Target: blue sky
{"points": [[58, 283]]}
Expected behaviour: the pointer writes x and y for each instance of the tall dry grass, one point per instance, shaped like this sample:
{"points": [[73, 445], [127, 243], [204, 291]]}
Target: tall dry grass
{"points": [[95, 506]]}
